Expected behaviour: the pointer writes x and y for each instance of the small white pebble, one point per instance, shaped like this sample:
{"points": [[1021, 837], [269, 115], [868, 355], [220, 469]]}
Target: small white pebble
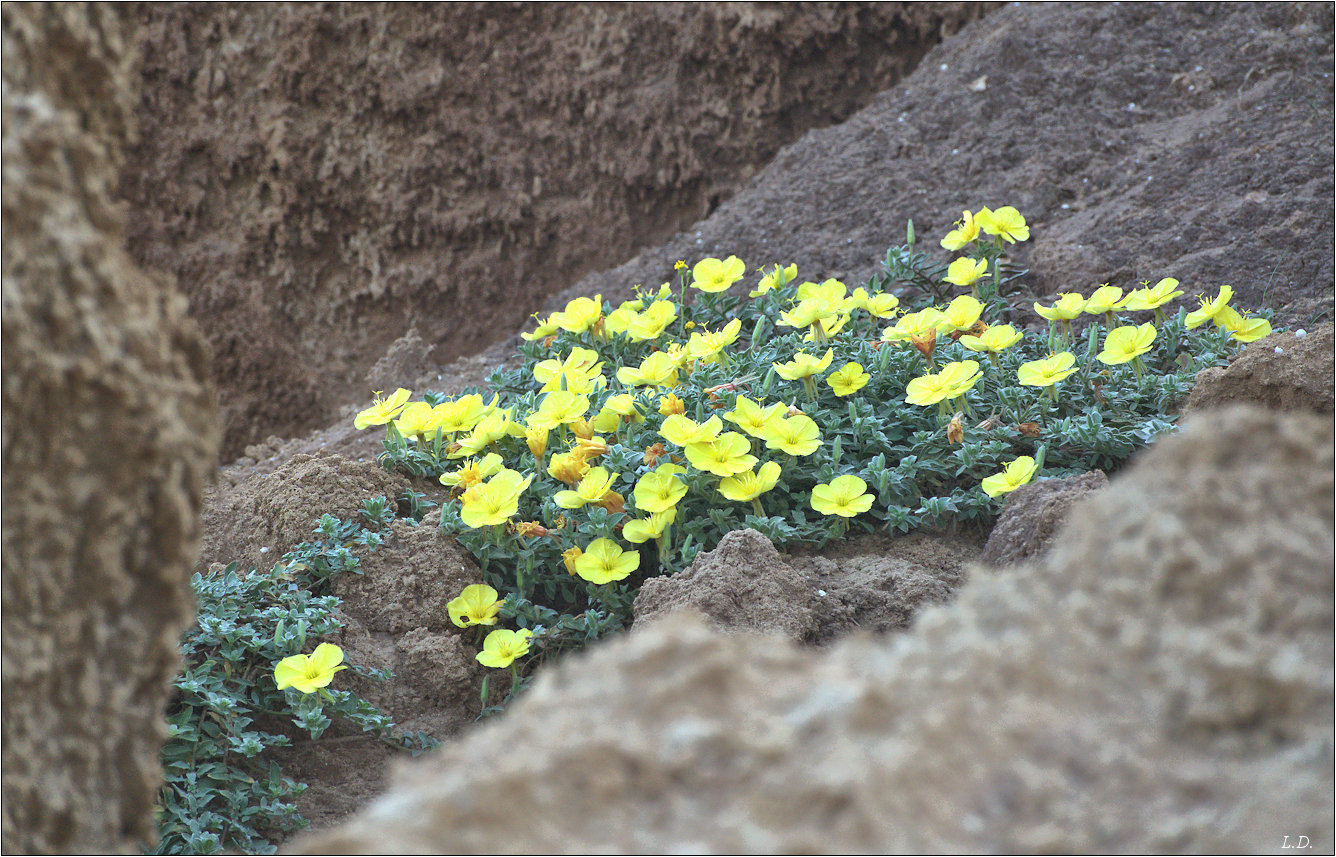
{"points": [[848, 241], [323, 443], [1300, 333], [821, 592], [1280, 350], [264, 550], [1064, 206], [943, 66]]}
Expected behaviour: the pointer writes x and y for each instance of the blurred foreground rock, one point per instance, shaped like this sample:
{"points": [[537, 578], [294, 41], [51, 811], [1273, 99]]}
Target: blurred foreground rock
{"points": [[1160, 681], [108, 434]]}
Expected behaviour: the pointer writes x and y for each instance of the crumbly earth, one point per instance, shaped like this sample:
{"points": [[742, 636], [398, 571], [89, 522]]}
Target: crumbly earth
{"points": [[1159, 682], [319, 179]]}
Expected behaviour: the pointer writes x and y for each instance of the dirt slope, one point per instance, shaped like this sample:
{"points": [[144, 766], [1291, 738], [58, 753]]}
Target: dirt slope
{"points": [[1140, 140], [321, 177]]}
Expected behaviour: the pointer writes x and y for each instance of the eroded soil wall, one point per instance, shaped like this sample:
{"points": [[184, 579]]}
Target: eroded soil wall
{"points": [[320, 178]]}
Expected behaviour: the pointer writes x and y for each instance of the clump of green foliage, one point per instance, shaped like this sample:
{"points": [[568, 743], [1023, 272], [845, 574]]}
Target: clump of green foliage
{"points": [[631, 438], [223, 789]]}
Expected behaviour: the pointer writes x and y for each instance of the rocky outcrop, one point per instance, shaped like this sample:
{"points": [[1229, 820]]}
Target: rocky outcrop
{"points": [[1160, 681], [108, 435]]}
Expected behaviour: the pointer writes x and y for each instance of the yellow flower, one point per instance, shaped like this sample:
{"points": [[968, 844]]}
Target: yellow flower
{"points": [[604, 561], [712, 275], [776, 279], [796, 435], [844, 496], [927, 390], [1005, 222], [559, 407], [478, 604], [309, 673], [993, 340], [568, 467], [803, 365], [382, 410], [1154, 297], [848, 379], [503, 646], [706, 346], [726, 455], [657, 370], [966, 231], [580, 373], [472, 472], [568, 558], [828, 327], [489, 431], [1048, 371], [679, 265], [752, 418], [546, 327], [642, 530], [581, 314], [882, 305], [830, 292], [966, 271], [914, 325], [1105, 299], [1067, 307], [620, 319], [670, 404], [1013, 476], [961, 314], [460, 415], [651, 323], [494, 501], [592, 489], [1210, 310], [417, 418], [684, 431], [958, 378], [1242, 327], [750, 484], [660, 489], [807, 313], [1125, 343]]}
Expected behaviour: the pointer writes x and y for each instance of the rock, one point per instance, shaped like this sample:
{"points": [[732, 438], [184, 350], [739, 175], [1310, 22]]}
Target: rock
{"points": [[405, 361], [1161, 680], [741, 585], [109, 432], [1282, 372], [1033, 514]]}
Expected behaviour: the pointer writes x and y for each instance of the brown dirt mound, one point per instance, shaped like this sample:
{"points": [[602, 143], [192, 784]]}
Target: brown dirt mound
{"points": [[319, 178], [257, 520], [1283, 372], [108, 434], [1160, 682], [1033, 514]]}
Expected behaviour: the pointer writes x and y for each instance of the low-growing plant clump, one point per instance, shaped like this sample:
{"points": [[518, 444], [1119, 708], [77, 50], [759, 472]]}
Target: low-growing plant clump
{"points": [[635, 436], [245, 675]]}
